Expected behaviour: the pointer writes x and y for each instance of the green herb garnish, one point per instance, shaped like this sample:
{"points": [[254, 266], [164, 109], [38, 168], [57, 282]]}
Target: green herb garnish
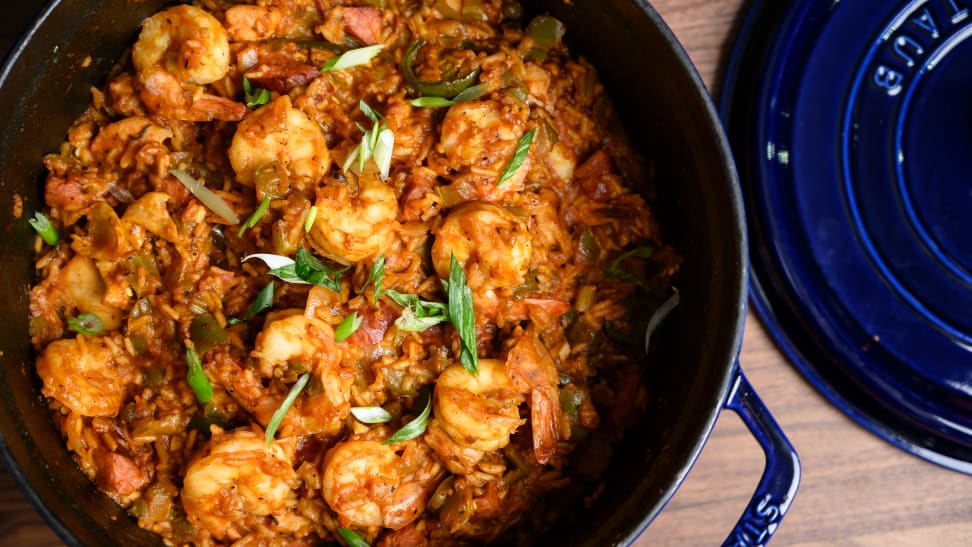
{"points": [[522, 149], [43, 226], [206, 196], [255, 97], [288, 401], [311, 217], [614, 270], [468, 94], [377, 142], [418, 315], [196, 376], [351, 538], [371, 414], [462, 315], [256, 216], [86, 323], [264, 300], [314, 271], [353, 57], [376, 276], [347, 327], [415, 427], [307, 269]]}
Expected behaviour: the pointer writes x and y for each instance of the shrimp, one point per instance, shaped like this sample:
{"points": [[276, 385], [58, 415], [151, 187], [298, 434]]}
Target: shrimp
{"points": [[494, 248], [89, 375], [488, 241], [482, 136], [237, 483], [369, 484], [187, 42], [179, 50], [478, 411], [279, 132], [355, 227], [534, 374], [309, 342]]}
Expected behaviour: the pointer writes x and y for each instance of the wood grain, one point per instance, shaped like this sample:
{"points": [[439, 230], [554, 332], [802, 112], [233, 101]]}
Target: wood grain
{"points": [[857, 490]]}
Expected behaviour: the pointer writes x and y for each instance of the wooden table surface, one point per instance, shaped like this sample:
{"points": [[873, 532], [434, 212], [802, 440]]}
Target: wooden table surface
{"points": [[856, 490]]}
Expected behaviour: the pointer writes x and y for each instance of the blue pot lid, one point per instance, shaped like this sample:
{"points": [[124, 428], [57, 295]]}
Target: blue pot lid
{"points": [[851, 122]]}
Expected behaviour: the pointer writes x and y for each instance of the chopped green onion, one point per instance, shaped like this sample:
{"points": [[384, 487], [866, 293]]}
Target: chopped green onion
{"points": [[447, 89], [311, 217], [377, 142], [86, 323], [196, 376], [370, 112], [42, 225], [347, 327], [255, 97], [353, 155], [468, 94], [614, 270], [415, 427], [264, 300], [431, 102], [353, 57], [383, 151], [659, 315], [522, 149], [351, 538], [376, 276], [279, 414], [206, 196], [371, 414], [256, 216], [462, 315]]}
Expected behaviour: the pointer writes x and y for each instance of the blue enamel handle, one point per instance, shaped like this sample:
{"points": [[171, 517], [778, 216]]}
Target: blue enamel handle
{"points": [[781, 477]]}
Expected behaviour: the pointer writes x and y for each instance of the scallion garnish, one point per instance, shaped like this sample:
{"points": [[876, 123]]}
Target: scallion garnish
{"points": [[311, 217], [351, 538], [86, 323], [196, 376], [353, 57], [206, 196], [468, 94], [255, 97], [371, 414], [614, 270], [376, 276], [288, 401], [44, 228], [348, 326], [264, 300], [462, 315], [415, 427], [256, 216], [377, 142], [659, 315], [522, 149]]}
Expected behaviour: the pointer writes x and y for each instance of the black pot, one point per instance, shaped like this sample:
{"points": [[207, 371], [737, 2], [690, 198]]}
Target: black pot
{"points": [[45, 85]]}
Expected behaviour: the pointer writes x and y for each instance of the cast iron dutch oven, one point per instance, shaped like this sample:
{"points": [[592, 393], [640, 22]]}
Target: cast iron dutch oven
{"points": [[46, 84]]}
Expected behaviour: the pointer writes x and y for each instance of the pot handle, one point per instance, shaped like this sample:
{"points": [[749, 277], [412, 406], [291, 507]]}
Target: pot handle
{"points": [[781, 476]]}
